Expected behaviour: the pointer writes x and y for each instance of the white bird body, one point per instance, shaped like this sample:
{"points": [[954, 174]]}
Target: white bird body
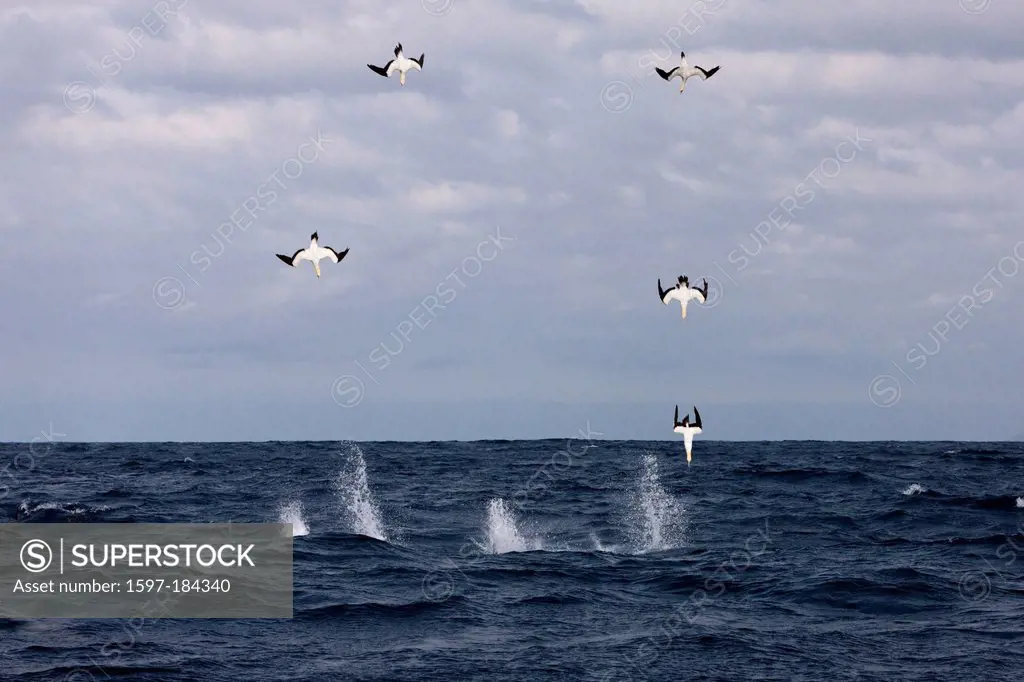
{"points": [[687, 430], [685, 72], [400, 63], [314, 253], [683, 293]]}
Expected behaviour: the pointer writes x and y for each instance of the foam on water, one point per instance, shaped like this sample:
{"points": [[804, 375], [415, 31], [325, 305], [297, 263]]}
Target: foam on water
{"points": [[603, 548], [503, 534], [657, 520], [1020, 502], [26, 508], [292, 513], [914, 489], [363, 514]]}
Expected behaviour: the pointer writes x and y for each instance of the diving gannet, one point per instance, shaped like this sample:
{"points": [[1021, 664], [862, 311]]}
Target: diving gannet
{"points": [[687, 429], [683, 293], [400, 63], [684, 72], [314, 253]]}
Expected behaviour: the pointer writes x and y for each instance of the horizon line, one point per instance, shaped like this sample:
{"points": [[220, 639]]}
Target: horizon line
{"points": [[509, 440]]}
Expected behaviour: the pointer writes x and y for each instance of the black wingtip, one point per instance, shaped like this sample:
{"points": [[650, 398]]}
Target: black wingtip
{"points": [[696, 417], [675, 420], [712, 72], [285, 259], [420, 62], [661, 72], [380, 71], [662, 293], [398, 48]]}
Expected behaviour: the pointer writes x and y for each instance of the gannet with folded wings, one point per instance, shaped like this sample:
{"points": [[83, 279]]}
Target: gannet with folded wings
{"points": [[683, 293], [687, 430]]}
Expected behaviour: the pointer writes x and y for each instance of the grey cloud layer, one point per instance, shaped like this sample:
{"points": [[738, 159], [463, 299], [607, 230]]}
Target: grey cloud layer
{"points": [[506, 127]]}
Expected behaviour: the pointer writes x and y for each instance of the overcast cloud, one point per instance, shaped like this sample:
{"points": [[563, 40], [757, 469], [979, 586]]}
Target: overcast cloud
{"points": [[850, 182]]}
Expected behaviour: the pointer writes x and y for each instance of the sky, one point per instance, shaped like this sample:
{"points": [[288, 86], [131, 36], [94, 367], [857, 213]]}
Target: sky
{"points": [[849, 183]]}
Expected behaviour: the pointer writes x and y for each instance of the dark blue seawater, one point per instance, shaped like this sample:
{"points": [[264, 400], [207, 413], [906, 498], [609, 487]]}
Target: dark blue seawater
{"points": [[543, 560]]}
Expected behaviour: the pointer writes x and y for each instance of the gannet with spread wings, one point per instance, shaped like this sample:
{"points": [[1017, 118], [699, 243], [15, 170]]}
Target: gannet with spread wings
{"points": [[685, 72], [314, 253], [400, 63]]}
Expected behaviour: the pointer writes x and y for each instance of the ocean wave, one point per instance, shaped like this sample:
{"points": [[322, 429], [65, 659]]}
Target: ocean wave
{"points": [[553, 599], [874, 595], [974, 502], [59, 512], [379, 609], [116, 493], [802, 474]]}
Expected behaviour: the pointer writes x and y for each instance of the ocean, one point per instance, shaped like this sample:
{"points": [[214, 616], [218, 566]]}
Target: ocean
{"points": [[561, 560]]}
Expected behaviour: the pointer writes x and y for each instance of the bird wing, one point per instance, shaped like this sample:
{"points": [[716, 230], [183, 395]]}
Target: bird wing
{"points": [[675, 420], [298, 256], [673, 295], [696, 423], [667, 75], [706, 74], [702, 293], [694, 293], [662, 293], [334, 256], [383, 70]]}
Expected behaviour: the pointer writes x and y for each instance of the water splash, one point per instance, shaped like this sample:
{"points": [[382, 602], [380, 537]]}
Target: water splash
{"points": [[503, 534], [657, 520], [363, 514], [914, 489], [599, 546], [292, 513], [1020, 502]]}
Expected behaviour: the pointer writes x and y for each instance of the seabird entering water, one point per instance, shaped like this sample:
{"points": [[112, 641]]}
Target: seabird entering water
{"points": [[687, 429], [400, 63], [683, 293], [685, 72], [314, 253]]}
